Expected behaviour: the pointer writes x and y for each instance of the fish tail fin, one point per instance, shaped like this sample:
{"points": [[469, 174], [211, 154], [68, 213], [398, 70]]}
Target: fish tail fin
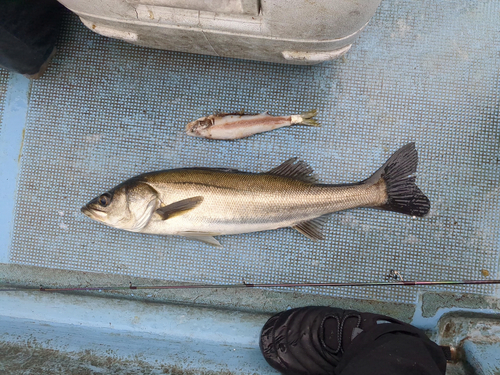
{"points": [[403, 195], [307, 118]]}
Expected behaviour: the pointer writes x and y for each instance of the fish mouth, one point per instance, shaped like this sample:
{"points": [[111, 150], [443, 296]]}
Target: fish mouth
{"points": [[92, 213], [191, 129], [86, 211]]}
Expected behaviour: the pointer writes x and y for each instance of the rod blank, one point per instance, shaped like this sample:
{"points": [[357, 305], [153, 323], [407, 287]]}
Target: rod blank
{"points": [[257, 285]]}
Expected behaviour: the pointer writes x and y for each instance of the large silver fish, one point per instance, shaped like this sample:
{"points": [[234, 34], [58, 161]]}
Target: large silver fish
{"points": [[238, 125], [200, 203]]}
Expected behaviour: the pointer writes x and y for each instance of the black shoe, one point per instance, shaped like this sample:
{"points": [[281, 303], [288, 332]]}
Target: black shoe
{"points": [[311, 340]]}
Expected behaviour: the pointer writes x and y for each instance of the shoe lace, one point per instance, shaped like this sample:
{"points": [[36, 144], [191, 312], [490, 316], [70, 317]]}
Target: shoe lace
{"points": [[340, 331]]}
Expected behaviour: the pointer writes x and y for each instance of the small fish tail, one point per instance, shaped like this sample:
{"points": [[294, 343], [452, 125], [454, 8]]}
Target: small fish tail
{"points": [[307, 118], [403, 195]]}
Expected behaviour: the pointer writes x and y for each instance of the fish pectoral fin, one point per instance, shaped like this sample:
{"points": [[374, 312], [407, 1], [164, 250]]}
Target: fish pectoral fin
{"points": [[296, 169], [179, 207], [312, 228], [202, 236]]}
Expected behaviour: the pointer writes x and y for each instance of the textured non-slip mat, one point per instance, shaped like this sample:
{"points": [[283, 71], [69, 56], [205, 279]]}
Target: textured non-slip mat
{"points": [[425, 71]]}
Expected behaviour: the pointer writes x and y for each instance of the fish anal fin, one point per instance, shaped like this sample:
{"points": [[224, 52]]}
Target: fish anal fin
{"points": [[179, 207], [202, 236], [312, 228], [295, 168], [206, 239]]}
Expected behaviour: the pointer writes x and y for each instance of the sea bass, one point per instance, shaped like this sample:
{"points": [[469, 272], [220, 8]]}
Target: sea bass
{"points": [[239, 125], [200, 203]]}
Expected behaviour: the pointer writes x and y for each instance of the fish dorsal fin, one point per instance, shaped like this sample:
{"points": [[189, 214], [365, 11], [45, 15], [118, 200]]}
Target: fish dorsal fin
{"points": [[239, 113], [312, 228], [297, 169], [179, 207]]}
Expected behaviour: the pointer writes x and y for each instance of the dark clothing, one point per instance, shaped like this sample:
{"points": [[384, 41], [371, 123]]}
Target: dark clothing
{"points": [[392, 349], [28, 33], [324, 340]]}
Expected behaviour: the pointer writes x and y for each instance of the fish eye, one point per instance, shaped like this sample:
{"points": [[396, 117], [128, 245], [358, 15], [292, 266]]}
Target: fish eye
{"points": [[105, 199]]}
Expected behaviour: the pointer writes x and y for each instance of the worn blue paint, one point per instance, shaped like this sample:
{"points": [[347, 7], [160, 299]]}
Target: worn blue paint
{"points": [[188, 338], [483, 356], [11, 137], [430, 323], [482, 348]]}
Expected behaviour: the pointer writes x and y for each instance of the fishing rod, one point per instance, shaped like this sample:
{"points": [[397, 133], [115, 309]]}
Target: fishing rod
{"points": [[256, 285]]}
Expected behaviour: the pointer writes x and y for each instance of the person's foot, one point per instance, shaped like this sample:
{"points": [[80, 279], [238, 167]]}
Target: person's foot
{"points": [[311, 340]]}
